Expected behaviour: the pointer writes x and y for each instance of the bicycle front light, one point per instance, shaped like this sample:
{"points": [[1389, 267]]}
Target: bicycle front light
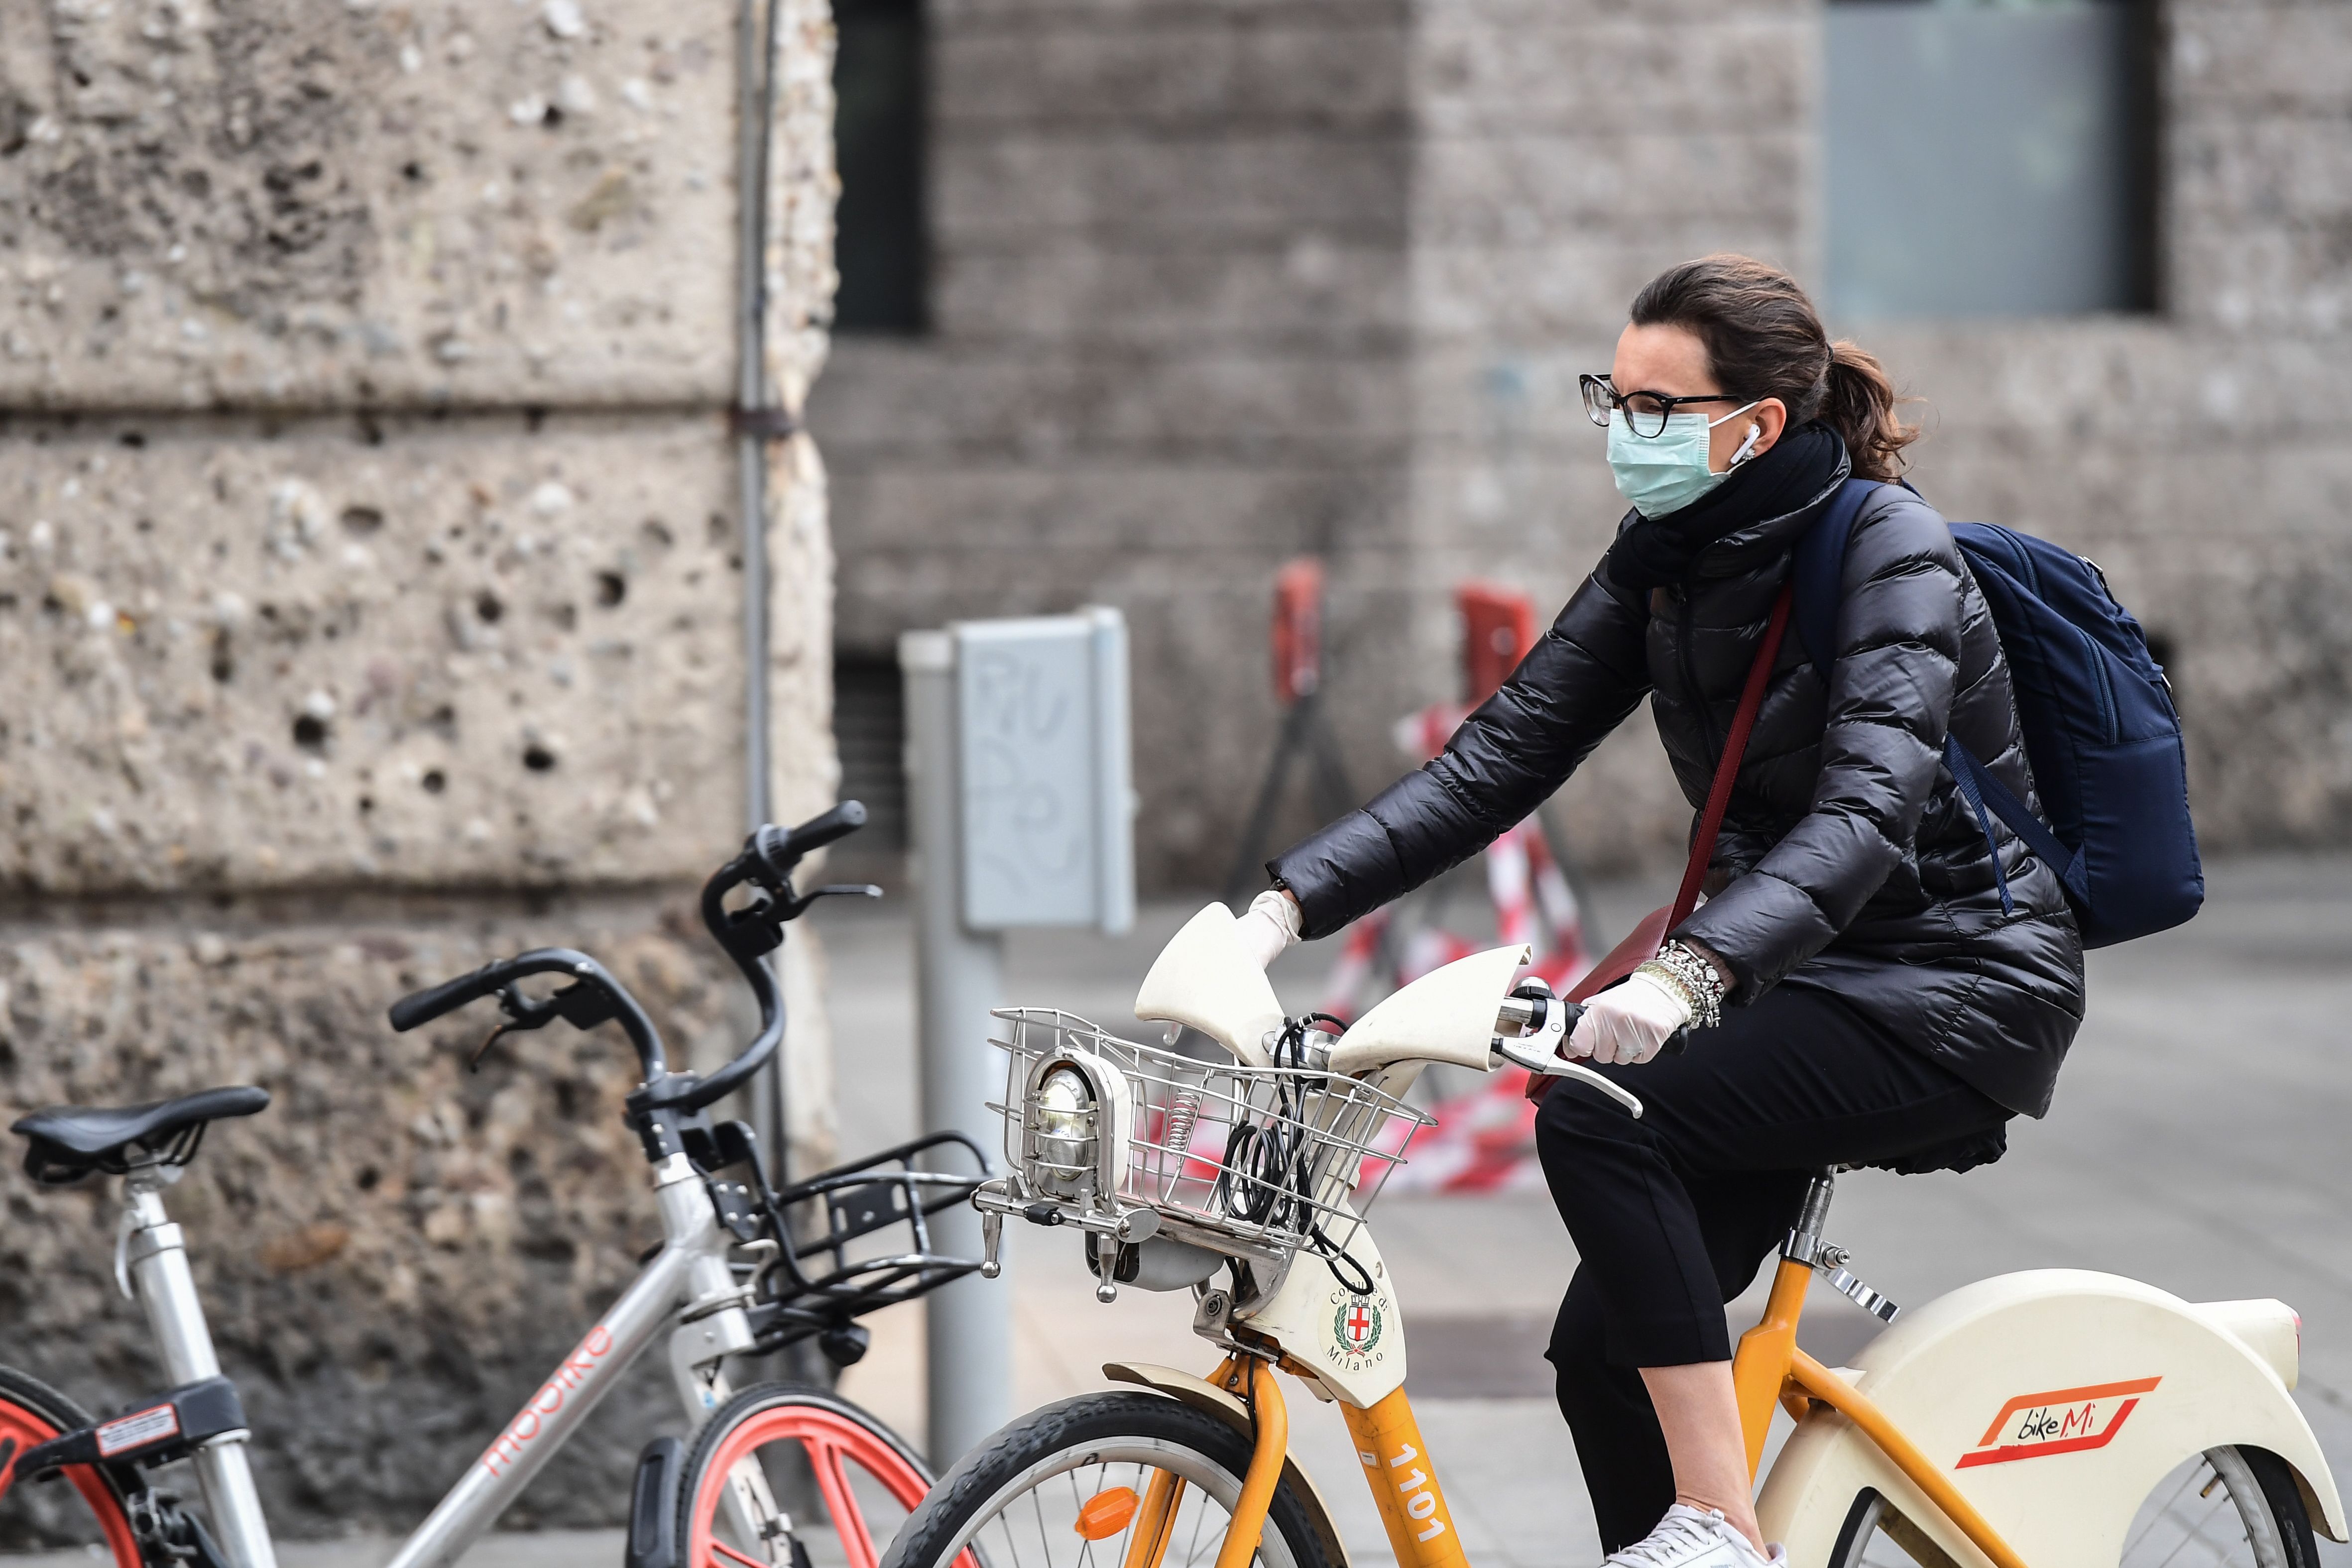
{"points": [[1067, 1145], [1078, 1120]]}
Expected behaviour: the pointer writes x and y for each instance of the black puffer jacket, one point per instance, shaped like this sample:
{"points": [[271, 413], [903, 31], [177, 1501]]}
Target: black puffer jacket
{"points": [[1848, 859]]}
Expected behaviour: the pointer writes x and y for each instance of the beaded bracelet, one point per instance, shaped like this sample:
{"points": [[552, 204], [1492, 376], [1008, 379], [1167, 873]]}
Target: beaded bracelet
{"points": [[1700, 983]]}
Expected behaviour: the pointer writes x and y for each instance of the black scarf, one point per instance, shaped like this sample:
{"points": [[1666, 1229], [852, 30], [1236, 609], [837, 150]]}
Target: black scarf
{"points": [[1653, 552]]}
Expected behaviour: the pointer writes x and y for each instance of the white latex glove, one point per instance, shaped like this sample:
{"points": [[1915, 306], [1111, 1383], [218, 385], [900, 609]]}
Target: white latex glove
{"points": [[1270, 924], [1629, 1023]]}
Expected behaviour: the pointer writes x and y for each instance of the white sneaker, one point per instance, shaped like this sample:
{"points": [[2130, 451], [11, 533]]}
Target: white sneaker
{"points": [[1688, 1538]]}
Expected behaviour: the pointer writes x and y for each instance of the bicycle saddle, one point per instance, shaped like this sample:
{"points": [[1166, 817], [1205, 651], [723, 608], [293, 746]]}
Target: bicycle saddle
{"points": [[70, 1142]]}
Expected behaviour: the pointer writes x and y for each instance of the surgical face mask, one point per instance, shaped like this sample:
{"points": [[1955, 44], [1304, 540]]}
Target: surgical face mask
{"points": [[1667, 472]]}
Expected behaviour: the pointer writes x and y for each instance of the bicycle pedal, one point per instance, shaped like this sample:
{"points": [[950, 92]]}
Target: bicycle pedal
{"points": [[1845, 1284]]}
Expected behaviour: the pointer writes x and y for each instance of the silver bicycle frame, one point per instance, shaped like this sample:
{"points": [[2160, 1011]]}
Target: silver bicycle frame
{"points": [[690, 1271]]}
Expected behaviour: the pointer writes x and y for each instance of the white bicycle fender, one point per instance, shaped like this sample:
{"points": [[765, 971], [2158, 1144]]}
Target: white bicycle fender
{"points": [[1204, 980], [1447, 1015], [2055, 1400]]}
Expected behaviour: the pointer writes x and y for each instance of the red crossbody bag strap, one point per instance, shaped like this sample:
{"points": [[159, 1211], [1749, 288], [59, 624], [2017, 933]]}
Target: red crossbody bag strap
{"points": [[1641, 944], [1735, 748]]}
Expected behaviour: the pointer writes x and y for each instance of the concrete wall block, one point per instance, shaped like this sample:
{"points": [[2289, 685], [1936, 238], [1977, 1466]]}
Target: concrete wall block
{"points": [[476, 656], [2119, 382], [1244, 186], [397, 1251], [2236, 174], [1174, 70], [2095, 498], [1062, 405], [293, 204], [1512, 188], [1505, 406], [894, 592], [1201, 514], [1538, 520], [1690, 15], [1583, 76], [2263, 58], [1307, 292], [804, 766], [2292, 280], [968, 15], [1526, 294], [802, 190]]}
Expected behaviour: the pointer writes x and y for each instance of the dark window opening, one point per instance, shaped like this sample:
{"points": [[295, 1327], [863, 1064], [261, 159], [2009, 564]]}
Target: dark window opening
{"points": [[1990, 158], [869, 727], [881, 245]]}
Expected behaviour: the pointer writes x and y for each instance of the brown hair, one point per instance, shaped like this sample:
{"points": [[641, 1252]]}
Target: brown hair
{"points": [[1763, 339]]}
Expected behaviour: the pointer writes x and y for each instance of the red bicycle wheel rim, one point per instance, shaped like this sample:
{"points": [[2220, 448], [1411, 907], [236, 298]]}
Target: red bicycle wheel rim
{"points": [[21, 1428], [833, 1442]]}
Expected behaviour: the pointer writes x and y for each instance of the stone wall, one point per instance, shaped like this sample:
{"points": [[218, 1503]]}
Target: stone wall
{"points": [[1170, 352], [370, 582], [1539, 159]]}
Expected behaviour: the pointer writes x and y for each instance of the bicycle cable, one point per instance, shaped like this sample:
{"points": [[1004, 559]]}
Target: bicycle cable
{"points": [[1275, 1158]]}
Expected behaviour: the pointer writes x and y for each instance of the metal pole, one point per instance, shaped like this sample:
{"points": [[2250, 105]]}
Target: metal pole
{"points": [[755, 66], [751, 396], [959, 976]]}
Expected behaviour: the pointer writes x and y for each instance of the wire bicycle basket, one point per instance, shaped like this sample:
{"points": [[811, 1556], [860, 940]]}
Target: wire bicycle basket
{"points": [[1254, 1162]]}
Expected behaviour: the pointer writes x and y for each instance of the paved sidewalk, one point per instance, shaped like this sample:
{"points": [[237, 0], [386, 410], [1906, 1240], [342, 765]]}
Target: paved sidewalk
{"points": [[2196, 1142]]}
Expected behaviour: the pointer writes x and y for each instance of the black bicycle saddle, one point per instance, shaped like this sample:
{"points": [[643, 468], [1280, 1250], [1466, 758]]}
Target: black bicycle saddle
{"points": [[70, 1142]]}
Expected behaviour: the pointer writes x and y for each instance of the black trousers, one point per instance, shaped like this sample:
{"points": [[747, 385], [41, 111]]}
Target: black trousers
{"points": [[1673, 1213]]}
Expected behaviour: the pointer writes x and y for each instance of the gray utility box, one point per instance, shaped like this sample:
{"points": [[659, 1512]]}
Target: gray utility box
{"points": [[1042, 751]]}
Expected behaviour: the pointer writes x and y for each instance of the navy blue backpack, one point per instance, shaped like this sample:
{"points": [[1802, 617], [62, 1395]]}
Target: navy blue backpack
{"points": [[2100, 729]]}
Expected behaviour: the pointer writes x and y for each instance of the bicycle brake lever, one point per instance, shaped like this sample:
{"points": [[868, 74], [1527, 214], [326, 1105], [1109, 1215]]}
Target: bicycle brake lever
{"points": [[797, 904], [1538, 1051], [1548, 1066], [474, 1062], [1609, 1086], [522, 1013]]}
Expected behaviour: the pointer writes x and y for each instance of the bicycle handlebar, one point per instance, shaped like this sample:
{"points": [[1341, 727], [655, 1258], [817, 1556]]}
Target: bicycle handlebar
{"points": [[747, 934], [1527, 1012], [423, 1006], [814, 834], [595, 998]]}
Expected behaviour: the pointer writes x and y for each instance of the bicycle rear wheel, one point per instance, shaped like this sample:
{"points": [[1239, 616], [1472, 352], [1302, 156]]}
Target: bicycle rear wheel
{"points": [[88, 1512], [1065, 1487], [2226, 1508], [867, 1477]]}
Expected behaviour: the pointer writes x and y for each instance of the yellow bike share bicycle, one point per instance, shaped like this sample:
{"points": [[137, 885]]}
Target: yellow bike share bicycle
{"points": [[2057, 1418]]}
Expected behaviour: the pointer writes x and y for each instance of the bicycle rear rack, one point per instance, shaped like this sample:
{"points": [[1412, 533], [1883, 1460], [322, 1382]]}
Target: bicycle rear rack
{"points": [[835, 1262]]}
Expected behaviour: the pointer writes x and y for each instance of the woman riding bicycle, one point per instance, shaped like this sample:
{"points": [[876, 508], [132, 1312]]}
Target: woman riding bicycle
{"points": [[1856, 991]]}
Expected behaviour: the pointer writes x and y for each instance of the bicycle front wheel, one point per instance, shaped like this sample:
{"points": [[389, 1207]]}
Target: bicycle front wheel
{"points": [[1071, 1485], [2226, 1508], [87, 1513], [754, 1447]]}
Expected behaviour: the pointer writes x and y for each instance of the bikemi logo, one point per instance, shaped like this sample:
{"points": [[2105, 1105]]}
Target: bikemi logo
{"points": [[2064, 1421], [1356, 1324]]}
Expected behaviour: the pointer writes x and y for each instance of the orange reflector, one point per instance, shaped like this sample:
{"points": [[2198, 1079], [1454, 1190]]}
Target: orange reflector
{"points": [[1108, 1512]]}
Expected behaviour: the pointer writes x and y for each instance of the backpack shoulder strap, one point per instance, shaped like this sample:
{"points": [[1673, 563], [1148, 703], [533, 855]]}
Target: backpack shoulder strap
{"points": [[1818, 579], [1819, 574]]}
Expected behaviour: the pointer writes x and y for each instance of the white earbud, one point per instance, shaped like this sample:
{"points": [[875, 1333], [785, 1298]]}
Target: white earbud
{"points": [[1755, 434]]}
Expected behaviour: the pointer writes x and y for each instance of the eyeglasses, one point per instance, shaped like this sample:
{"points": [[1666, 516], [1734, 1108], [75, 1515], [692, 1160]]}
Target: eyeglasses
{"points": [[1645, 411]]}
